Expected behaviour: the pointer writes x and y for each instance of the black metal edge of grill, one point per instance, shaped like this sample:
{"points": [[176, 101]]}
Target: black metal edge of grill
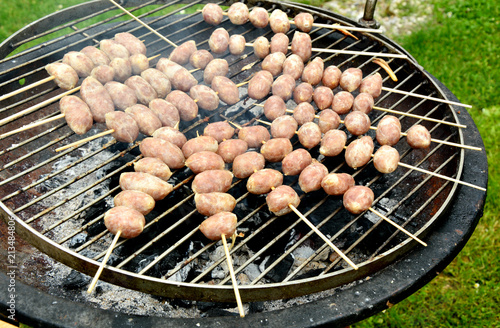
{"points": [[468, 131], [348, 305]]}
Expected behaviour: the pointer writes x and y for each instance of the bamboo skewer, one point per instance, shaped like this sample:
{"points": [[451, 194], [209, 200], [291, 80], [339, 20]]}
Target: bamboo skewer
{"points": [[79, 142], [425, 118], [27, 87], [143, 24], [31, 126], [233, 277], [400, 228], [103, 263], [426, 97]]}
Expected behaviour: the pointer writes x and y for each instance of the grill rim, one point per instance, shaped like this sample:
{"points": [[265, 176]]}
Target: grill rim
{"points": [[408, 243]]}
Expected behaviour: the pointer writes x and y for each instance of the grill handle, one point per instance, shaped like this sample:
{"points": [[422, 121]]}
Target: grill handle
{"points": [[368, 19]]}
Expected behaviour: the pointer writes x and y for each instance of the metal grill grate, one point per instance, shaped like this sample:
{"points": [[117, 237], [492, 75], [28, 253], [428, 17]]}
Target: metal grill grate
{"points": [[60, 198]]}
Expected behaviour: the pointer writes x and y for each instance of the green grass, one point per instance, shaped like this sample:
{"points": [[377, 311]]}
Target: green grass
{"points": [[461, 48]]}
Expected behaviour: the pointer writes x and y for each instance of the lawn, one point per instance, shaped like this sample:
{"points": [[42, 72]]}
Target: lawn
{"points": [[460, 46]]}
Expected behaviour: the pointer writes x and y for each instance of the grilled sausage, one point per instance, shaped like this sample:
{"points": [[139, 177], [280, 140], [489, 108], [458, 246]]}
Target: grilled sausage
{"points": [[263, 181], [212, 14], [97, 56], [217, 67], [274, 107], [293, 66], [214, 202], [274, 63], [113, 49], [182, 53], [388, 131], [237, 44], [296, 161], [260, 85], [323, 97], [153, 166], [313, 72], [219, 131], [212, 181], [122, 95], [333, 143], [205, 160], [283, 86], [284, 127], [187, 108], [201, 143], [372, 85], [219, 41], [229, 149], [358, 199], [151, 185], [363, 102], [64, 75], [227, 89], [337, 184], [127, 220], [359, 152], [166, 112], [279, 22], [351, 79], [254, 135], [276, 149], [342, 102], [357, 123], [279, 43], [171, 135], [304, 113], [328, 120], [418, 137], [246, 164], [223, 223], [82, 64], [139, 63], [146, 119], [259, 17], [386, 159], [261, 47], [169, 153], [137, 200], [77, 114], [97, 98], [126, 128], [121, 68], [331, 77], [158, 80], [279, 200], [179, 77], [206, 98], [303, 93], [200, 59], [103, 73], [310, 178], [143, 90], [304, 22], [238, 13], [132, 43], [309, 135], [302, 45]]}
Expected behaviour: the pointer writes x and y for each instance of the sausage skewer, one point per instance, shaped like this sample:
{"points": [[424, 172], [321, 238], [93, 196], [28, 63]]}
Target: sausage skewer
{"points": [[103, 263], [233, 277]]}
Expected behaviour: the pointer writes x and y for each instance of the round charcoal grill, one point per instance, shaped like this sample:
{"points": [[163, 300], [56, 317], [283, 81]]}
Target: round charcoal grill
{"points": [[57, 200]]}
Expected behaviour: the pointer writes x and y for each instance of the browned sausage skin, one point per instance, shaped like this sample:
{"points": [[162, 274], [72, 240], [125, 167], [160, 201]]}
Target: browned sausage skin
{"points": [[188, 109], [231, 148], [261, 47], [212, 14], [276, 149], [128, 221], [212, 181], [263, 181], [302, 45], [76, 113], [304, 113], [259, 17], [359, 152], [331, 77], [357, 123], [238, 13], [333, 143], [260, 85], [279, 43], [342, 102], [279, 22], [124, 126], [386, 159], [388, 130], [169, 153], [151, 185], [310, 178], [203, 161], [293, 66], [171, 135], [205, 97], [280, 199], [97, 98], [274, 107], [418, 137], [313, 72], [182, 53], [82, 64], [358, 199], [337, 183], [222, 223], [303, 93], [153, 166], [227, 90], [166, 112], [254, 135], [219, 131], [64, 75], [132, 43], [137, 200], [328, 120], [201, 143], [200, 59], [351, 79], [246, 164], [215, 202], [284, 127], [274, 63], [309, 135], [296, 161], [146, 119], [219, 41]]}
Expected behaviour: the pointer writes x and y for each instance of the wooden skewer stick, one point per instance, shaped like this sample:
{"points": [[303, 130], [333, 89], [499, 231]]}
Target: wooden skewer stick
{"points": [[397, 226], [322, 236], [426, 97], [103, 263], [27, 87], [31, 126], [79, 142], [233, 277], [143, 24], [425, 118]]}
